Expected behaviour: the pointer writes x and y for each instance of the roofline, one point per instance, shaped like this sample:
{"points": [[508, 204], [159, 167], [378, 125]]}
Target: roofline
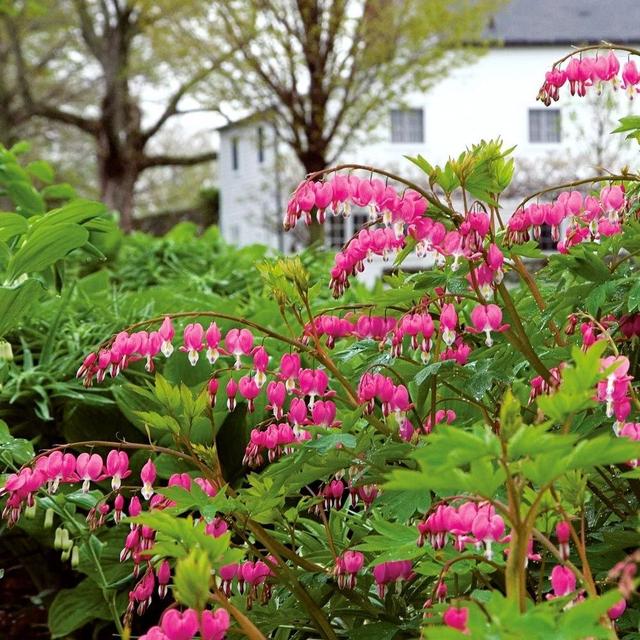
{"points": [[255, 116], [564, 43]]}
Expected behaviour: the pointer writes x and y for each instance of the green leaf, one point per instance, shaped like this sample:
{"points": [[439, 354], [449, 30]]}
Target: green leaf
{"points": [[628, 123], [158, 421], [192, 578], [603, 450], [16, 451], [20, 147], [72, 609], [62, 191], [44, 246], [402, 505], [27, 200], [510, 418], [14, 303], [577, 387], [12, 224], [633, 301], [330, 441], [421, 163], [78, 211], [530, 249], [41, 170], [431, 369], [485, 477]]}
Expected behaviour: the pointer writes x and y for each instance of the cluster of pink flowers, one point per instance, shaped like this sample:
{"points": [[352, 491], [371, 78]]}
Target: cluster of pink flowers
{"points": [[56, 468], [418, 326], [584, 72], [365, 244], [441, 415], [141, 538], [274, 441], [402, 217], [592, 332], [249, 576], [393, 398], [563, 580], [432, 239], [473, 523], [390, 572], [589, 217], [339, 193], [347, 567], [333, 494], [409, 433], [277, 438], [312, 383], [130, 347], [540, 386], [614, 389], [185, 625]]}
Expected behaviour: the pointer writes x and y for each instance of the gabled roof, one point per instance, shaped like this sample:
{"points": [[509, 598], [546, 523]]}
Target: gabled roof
{"points": [[539, 22]]}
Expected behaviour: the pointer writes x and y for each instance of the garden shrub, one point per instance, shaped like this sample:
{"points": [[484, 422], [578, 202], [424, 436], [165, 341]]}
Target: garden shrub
{"points": [[453, 455]]}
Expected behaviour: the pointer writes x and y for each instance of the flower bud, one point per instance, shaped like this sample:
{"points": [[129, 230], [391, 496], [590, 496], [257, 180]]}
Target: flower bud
{"points": [[48, 519], [6, 352], [57, 540]]}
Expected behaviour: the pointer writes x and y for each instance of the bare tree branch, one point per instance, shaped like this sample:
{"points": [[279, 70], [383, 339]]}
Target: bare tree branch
{"points": [[177, 161], [87, 28], [171, 109], [88, 125]]}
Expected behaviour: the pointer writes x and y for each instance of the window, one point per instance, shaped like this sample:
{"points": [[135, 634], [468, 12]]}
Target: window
{"points": [[358, 219], [545, 241], [407, 125], [335, 231], [234, 153], [544, 125], [338, 229], [260, 145]]}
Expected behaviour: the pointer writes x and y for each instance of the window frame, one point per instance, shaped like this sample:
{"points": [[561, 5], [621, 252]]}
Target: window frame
{"points": [[402, 129], [354, 222], [235, 153], [260, 144], [544, 129]]}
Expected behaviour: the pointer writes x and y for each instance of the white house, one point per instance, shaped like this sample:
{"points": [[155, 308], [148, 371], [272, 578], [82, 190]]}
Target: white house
{"points": [[494, 96]]}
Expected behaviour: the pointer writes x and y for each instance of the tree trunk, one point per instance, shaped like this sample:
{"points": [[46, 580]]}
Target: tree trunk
{"points": [[314, 161], [117, 187]]}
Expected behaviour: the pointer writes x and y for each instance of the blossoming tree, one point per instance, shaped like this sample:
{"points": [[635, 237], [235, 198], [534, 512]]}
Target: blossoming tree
{"points": [[456, 456]]}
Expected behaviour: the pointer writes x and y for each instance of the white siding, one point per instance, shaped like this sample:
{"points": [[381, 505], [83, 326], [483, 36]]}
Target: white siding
{"points": [[249, 211], [488, 99]]}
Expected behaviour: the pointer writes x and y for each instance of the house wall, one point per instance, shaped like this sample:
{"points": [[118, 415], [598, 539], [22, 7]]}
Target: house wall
{"points": [[250, 202], [488, 99]]}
